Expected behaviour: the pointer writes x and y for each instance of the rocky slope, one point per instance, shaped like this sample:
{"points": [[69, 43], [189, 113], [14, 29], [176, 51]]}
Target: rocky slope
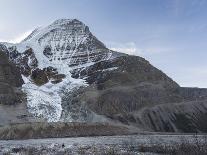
{"points": [[130, 90], [13, 107], [69, 75], [10, 79]]}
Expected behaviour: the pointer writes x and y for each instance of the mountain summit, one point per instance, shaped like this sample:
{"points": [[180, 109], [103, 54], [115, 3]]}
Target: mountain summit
{"points": [[71, 76], [68, 41]]}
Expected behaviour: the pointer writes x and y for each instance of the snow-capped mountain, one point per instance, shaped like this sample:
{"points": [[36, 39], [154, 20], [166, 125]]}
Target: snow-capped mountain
{"points": [[69, 75], [66, 42], [46, 58]]}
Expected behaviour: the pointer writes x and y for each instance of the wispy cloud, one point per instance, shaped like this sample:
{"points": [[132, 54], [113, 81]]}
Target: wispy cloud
{"points": [[132, 49], [18, 38], [128, 48], [21, 37]]}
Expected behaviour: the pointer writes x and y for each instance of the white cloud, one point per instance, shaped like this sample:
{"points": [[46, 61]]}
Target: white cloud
{"points": [[155, 50], [3, 40], [21, 37], [128, 48], [132, 49]]}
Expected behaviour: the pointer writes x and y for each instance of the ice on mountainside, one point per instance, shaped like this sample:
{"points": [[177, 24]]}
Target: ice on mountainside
{"points": [[64, 45]]}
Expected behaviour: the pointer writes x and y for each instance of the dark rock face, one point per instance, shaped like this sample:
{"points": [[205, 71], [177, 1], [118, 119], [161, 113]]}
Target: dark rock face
{"points": [[48, 52], [123, 70], [126, 84], [10, 78], [13, 107], [26, 61], [9, 72], [41, 77]]}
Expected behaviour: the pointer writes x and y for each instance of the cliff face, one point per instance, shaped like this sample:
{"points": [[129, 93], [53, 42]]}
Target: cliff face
{"points": [[10, 79], [13, 108]]}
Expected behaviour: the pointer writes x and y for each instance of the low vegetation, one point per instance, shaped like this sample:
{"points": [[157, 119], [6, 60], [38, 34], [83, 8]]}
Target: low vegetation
{"points": [[59, 130]]}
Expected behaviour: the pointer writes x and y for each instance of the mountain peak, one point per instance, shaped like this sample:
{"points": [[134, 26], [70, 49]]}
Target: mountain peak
{"points": [[66, 21], [65, 41], [63, 27]]}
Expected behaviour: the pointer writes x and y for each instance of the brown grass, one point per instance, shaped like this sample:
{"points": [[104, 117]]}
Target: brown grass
{"points": [[59, 130]]}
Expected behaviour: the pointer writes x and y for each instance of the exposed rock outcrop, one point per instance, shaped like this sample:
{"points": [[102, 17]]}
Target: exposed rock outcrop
{"points": [[13, 108]]}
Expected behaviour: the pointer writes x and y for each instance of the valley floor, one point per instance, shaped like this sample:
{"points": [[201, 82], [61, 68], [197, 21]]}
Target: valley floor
{"points": [[110, 145]]}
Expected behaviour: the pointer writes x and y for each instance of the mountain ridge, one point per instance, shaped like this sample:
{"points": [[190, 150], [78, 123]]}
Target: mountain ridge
{"points": [[69, 75]]}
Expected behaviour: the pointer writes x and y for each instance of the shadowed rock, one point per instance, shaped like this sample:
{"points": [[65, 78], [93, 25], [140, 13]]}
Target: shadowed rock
{"points": [[130, 90], [10, 78]]}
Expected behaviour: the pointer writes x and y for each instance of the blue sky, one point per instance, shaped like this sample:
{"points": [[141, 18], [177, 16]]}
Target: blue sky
{"points": [[171, 34]]}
